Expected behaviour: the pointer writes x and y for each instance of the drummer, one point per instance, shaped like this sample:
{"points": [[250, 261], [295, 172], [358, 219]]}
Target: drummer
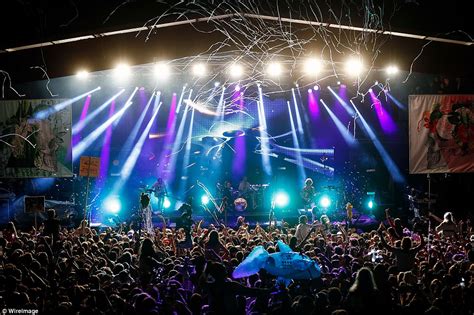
{"points": [[244, 187], [246, 191]]}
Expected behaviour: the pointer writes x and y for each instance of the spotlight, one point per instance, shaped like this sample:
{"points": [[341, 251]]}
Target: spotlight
{"points": [[236, 70], [274, 69], [166, 203], [237, 88], [82, 74], [216, 84], [281, 199], [370, 204], [313, 66], [354, 67], [199, 70], [391, 70], [161, 70], [325, 202], [310, 91], [316, 87], [204, 199], [122, 71], [112, 204], [338, 82], [370, 90]]}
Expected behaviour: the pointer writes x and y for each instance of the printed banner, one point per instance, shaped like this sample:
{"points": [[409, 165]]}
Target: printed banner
{"points": [[35, 138], [441, 133]]}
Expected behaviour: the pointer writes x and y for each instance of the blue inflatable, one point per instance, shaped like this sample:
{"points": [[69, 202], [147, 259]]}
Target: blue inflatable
{"points": [[285, 264]]}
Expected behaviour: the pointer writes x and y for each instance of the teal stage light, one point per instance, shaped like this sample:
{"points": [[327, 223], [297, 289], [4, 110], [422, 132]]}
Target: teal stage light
{"points": [[282, 199], [325, 202], [204, 199], [112, 204], [370, 204], [166, 203]]}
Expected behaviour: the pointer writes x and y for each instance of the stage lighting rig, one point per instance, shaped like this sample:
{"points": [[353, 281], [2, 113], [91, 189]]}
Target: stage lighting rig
{"points": [[161, 71], [236, 70], [391, 70], [354, 66], [274, 69], [122, 71], [199, 70], [313, 66], [82, 74]]}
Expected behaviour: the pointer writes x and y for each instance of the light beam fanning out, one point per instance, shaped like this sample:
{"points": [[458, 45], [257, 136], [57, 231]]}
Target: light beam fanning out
{"points": [[263, 134], [340, 126], [58, 107], [137, 149], [83, 122], [79, 149], [389, 163], [344, 104], [296, 144]]}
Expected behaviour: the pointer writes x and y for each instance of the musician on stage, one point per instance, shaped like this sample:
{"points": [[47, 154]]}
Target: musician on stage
{"points": [[159, 190], [246, 192], [307, 194], [244, 186]]}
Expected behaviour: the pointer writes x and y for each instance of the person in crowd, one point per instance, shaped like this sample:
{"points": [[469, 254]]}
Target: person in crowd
{"points": [[52, 225], [303, 229], [405, 254], [363, 297], [447, 226], [115, 272]]}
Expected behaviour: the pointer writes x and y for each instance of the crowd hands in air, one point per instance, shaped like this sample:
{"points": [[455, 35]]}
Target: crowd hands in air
{"points": [[395, 269]]}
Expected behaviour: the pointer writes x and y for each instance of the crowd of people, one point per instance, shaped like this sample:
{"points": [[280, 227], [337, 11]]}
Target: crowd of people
{"points": [[421, 267]]}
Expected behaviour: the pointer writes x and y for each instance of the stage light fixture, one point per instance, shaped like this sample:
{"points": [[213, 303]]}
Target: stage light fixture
{"points": [[274, 69], [204, 199], [313, 66], [199, 69], [236, 70], [112, 204], [391, 70], [166, 203], [281, 199], [338, 82], [325, 202], [82, 74], [161, 70], [216, 84], [316, 87], [122, 71], [310, 91], [370, 90], [237, 88], [370, 204], [354, 66]]}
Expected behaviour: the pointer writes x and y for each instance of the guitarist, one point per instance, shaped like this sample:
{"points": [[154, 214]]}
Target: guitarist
{"points": [[159, 190], [307, 195]]}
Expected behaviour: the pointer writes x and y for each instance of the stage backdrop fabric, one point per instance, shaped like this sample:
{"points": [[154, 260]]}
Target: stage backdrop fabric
{"points": [[31, 147], [441, 133]]}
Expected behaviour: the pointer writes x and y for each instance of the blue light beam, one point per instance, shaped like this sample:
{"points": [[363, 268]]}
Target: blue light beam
{"points": [[391, 166]]}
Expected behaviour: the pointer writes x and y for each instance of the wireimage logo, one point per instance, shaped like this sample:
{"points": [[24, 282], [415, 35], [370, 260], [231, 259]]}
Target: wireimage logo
{"points": [[6, 311]]}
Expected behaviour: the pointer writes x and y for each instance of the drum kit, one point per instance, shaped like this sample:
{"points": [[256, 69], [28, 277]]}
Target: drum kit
{"points": [[244, 201]]}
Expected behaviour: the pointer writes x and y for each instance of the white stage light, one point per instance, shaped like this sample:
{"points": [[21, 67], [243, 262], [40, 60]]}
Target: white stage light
{"points": [[236, 70], [274, 69], [313, 66], [199, 70], [354, 67], [161, 70], [391, 70], [82, 74], [122, 71]]}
